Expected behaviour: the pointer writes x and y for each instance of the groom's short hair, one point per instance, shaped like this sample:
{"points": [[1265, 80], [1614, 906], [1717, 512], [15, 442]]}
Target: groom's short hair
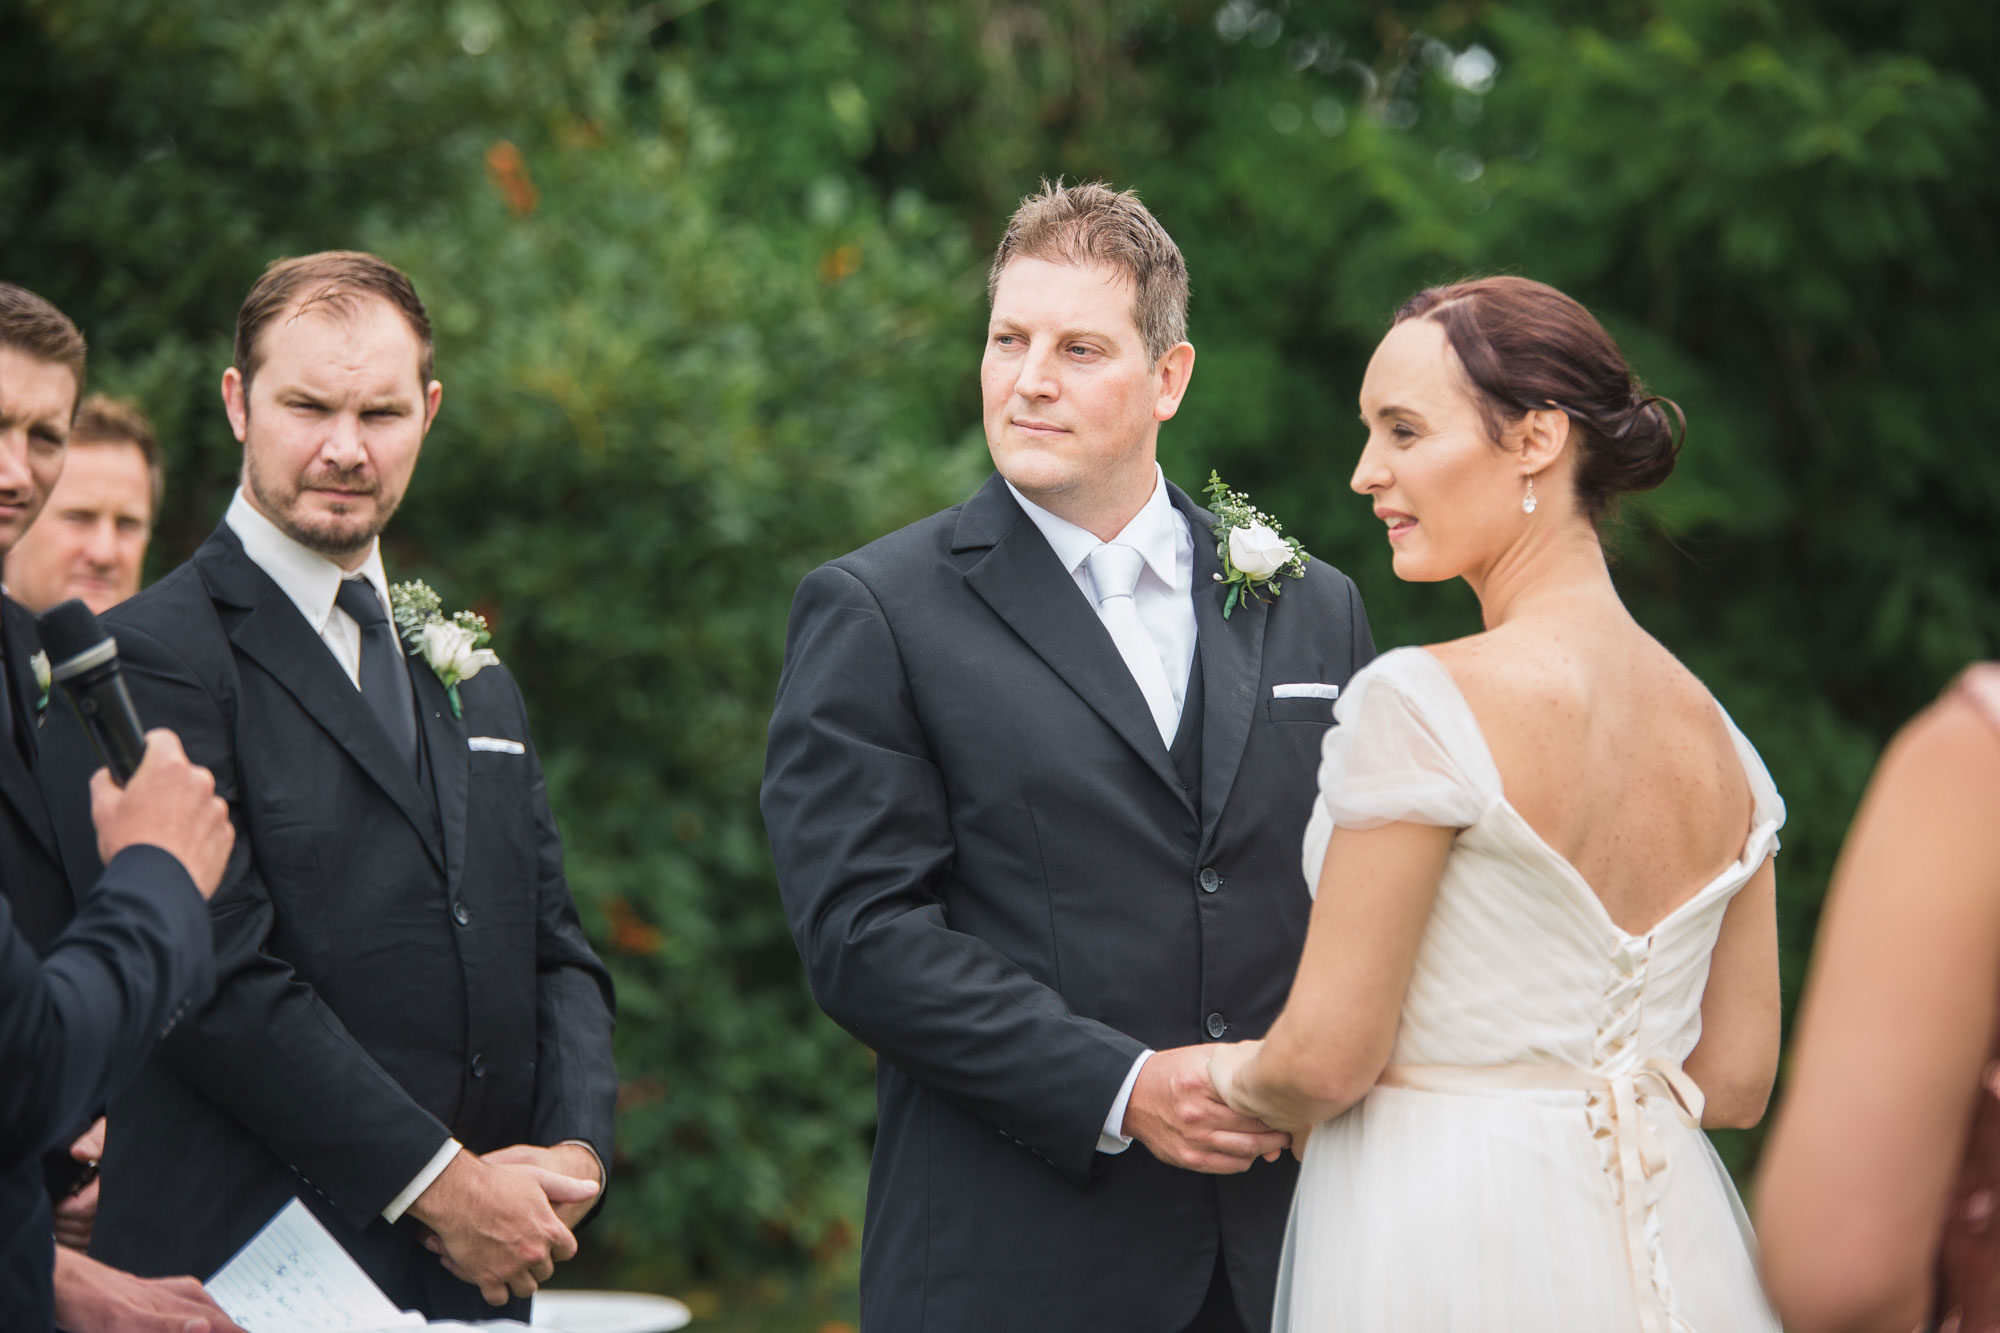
{"points": [[1092, 223], [331, 278]]}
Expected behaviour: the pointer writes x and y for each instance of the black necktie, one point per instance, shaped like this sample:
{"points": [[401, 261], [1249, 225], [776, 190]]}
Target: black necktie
{"points": [[385, 681]]}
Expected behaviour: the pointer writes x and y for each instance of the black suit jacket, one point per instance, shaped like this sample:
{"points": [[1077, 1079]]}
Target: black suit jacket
{"points": [[81, 1006], [37, 886], [998, 880], [393, 965]]}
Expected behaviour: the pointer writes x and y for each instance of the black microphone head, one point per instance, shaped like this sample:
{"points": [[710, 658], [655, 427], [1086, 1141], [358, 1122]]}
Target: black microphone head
{"points": [[74, 639]]}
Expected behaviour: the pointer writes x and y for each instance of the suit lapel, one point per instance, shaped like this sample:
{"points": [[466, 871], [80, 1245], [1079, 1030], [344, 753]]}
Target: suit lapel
{"points": [[275, 636], [17, 780], [1024, 583], [1232, 665], [450, 761]]}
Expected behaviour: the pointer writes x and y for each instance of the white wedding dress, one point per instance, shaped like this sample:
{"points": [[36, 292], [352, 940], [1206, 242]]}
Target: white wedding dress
{"points": [[1530, 1160]]}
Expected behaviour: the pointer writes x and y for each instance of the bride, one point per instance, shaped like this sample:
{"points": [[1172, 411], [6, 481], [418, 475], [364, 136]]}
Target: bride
{"points": [[1543, 953]]}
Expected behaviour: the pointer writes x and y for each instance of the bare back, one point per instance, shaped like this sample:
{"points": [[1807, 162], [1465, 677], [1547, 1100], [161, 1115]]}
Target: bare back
{"points": [[1613, 752]]}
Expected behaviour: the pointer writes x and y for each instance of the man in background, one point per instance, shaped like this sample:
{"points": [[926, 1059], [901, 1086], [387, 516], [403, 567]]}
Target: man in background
{"points": [[90, 541]]}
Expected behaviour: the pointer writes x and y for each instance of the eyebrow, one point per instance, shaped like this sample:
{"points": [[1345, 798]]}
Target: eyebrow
{"points": [[1392, 410]]}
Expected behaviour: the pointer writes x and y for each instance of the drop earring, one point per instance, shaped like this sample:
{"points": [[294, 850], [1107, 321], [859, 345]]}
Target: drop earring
{"points": [[1528, 501]]}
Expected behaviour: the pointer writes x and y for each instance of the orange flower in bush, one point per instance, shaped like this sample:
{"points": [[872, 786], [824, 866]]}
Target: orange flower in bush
{"points": [[508, 171]]}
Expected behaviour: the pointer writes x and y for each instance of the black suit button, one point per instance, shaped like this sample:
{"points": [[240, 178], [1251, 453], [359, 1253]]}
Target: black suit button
{"points": [[1210, 881], [1216, 1027], [479, 1063], [461, 914]]}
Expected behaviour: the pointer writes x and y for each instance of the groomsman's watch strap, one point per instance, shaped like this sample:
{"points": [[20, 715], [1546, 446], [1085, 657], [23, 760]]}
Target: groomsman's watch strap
{"points": [[1113, 1139], [432, 1170]]}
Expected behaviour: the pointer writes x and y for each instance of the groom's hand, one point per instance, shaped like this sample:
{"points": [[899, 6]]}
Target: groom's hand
{"points": [[1176, 1113], [495, 1226]]}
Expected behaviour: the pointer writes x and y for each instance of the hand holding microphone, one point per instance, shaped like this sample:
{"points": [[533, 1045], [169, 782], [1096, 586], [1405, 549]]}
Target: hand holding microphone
{"points": [[149, 792], [170, 803]]}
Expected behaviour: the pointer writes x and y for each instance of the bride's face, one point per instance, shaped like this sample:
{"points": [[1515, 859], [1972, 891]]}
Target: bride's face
{"points": [[1450, 497]]}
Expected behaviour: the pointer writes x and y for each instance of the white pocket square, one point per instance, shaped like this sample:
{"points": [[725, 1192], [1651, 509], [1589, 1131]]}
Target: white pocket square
{"points": [[1305, 691], [495, 744]]}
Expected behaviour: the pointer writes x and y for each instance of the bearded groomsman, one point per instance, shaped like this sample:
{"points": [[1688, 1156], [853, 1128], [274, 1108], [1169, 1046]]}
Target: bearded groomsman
{"points": [[1036, 804], [409, 1030]]}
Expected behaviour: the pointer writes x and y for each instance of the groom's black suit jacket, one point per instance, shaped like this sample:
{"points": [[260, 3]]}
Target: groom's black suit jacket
{"points": [[394, 963], [999, 880]]}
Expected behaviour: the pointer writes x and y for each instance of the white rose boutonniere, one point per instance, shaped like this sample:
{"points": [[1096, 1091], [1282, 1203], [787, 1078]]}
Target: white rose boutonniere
{"points": [[454, 647], [1254, 551], [40, 663]]}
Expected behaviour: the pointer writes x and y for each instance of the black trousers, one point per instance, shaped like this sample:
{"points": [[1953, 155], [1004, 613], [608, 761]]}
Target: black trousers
{"points": [[1218, 1312]]}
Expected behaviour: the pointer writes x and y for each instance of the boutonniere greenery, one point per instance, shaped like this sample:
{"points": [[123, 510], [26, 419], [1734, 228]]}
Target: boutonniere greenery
{"points": [[1253, 549], [40, 663], [453, 646]]}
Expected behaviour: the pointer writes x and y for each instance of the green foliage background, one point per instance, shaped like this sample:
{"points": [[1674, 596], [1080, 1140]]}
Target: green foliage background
{"points": [[707, 279]]}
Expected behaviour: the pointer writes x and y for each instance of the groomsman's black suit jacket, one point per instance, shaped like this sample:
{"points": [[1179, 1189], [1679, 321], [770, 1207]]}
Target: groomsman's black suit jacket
{"points": [[76, 1024], [1003, 881], [397, 961]]}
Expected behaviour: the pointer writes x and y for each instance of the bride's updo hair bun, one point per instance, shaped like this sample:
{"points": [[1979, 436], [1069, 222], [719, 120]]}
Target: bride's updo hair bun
{"points": [[1525, 346]]}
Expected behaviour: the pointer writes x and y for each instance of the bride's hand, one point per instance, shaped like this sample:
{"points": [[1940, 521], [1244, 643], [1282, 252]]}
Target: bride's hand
{"points": [[1224, 1063]]}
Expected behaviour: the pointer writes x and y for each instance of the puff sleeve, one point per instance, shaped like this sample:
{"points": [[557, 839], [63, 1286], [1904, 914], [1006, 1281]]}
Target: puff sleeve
{"points": [[1405, 749]]}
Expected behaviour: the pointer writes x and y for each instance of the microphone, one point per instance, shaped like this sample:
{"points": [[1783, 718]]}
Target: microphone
{"points": [[83, 659]]}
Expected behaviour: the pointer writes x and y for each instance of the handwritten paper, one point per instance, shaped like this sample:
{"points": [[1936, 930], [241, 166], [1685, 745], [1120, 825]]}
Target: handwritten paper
{"points": [[293, 1277]]}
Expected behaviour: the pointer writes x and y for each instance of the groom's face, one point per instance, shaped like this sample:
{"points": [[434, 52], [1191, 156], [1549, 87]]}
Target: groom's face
{"points": [[1072, 401], [332, 421]]}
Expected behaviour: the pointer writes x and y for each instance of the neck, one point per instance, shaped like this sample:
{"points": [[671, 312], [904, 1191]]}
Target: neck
{"points": [[1102, 511], [1554, 568]]}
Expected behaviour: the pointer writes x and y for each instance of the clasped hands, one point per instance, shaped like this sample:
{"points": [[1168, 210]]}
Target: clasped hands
{"points": [[502, 1221], [1180, 1112]]}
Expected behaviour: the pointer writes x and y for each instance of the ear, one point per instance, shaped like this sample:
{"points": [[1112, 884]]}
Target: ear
{"points": [[236, 402], [1544, 439], [433, 396], [1175, 369]]}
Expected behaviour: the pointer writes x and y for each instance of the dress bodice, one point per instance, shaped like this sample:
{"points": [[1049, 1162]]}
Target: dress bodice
{"points": [[1520, 964]]}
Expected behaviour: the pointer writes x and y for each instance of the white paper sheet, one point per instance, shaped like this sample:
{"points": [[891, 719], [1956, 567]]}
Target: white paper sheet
{"points": [[293, 1277]]}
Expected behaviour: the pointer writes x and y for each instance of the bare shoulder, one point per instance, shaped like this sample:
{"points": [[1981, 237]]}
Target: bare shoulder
{"points": [[1504, 673], [1947, 760]]}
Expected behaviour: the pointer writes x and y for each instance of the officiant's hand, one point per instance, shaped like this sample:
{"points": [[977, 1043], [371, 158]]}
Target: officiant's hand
{"points": [[571, 1161], [1177, 1114], [170, 803], [95, 1298], [495, 1226]]}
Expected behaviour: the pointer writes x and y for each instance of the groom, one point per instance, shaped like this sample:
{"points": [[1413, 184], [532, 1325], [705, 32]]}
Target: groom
{"points": [[1036, 806]]}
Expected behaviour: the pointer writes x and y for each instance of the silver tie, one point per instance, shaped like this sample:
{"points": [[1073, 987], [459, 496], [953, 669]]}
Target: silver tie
{"points": [[1114, 573]]}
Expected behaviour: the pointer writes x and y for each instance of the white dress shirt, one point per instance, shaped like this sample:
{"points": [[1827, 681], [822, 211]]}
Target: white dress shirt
{"points": [[1164, 599], [312, 582], [310, 579]]}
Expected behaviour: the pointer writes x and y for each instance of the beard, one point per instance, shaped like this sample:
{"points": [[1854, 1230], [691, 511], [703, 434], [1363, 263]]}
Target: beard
{"points": [[334, 535]]}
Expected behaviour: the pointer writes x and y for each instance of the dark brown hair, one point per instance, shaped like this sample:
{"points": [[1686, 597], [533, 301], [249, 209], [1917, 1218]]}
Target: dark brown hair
{"points": [[30, 324], [104, 420], [1525, 347], [332, 278], [1095, 224]]}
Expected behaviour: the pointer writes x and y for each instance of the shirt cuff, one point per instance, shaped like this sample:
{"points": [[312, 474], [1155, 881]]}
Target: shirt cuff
{"points": [[401, 1203], [1113, 1139]]}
